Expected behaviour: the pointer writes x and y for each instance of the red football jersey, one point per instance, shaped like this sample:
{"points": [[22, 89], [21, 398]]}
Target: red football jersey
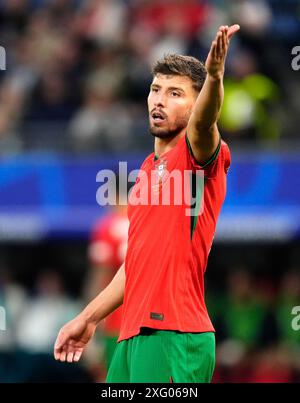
{"points": [[107, 250], [168, 248]]}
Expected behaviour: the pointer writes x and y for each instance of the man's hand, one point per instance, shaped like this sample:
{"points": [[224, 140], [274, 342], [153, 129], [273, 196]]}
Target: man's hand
{"points": [[203, 133], [75, 335], [73, 338], [215, 62]]}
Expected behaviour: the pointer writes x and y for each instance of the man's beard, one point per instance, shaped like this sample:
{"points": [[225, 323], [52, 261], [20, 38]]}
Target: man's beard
{"points": [[168, 133], [164, 134]]}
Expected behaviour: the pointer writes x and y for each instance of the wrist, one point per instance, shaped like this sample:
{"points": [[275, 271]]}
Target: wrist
{"points": [[216, 77], [89, 316]]}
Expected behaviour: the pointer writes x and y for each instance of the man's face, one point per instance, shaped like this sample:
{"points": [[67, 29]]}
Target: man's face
{"points": [[170, 103]]}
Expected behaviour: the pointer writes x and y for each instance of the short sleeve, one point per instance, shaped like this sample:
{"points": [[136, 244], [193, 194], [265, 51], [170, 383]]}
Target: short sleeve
{"points": [[218, 162], [227, 157]]}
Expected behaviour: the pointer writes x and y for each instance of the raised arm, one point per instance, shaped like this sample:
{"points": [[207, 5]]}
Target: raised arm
{"points": [[74, 336], [202, 128]]}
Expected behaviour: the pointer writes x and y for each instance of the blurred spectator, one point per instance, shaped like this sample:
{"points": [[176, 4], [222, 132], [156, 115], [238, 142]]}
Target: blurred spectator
{"points": [[94, 126], [273, 365], [254, 16], [13, 299], [171, 24], [244, 311], [157, 16], [258, 343], [289, 296], [104, 21], [45, 313], [251, 100]]}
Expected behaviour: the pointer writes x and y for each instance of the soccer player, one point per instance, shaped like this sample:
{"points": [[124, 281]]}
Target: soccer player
{"points": [[166, 334]]}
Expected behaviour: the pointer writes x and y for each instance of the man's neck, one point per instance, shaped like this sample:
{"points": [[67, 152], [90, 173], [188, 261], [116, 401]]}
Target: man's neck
{"points": [[161, 146]]}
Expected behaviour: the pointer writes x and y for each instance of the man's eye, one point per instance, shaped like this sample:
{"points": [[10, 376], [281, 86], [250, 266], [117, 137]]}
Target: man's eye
{"points": [[174, 94], [154, 89]]}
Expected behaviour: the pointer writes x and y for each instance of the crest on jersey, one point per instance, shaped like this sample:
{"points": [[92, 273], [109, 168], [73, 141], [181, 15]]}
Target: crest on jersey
{"points": [[160, 170]]}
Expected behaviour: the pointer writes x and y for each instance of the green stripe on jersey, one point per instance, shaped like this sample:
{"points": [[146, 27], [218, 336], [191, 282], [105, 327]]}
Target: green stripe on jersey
{"points": [[196, 191], [211, 159]]}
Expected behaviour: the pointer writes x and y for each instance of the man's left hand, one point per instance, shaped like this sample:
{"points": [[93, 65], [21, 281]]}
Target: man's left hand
{"points": [[215, 62]]}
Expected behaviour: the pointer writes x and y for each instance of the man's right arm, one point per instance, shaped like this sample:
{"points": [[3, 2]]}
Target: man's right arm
{"points": [[75, 335], [108, 300]]}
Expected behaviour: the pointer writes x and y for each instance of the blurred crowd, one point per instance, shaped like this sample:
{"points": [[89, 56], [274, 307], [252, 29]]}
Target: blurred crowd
{"points": [[78, 71], [256, 341], [252, 316]]}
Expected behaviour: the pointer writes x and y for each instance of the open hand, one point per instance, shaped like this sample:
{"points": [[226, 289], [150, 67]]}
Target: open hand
{"points": [[215, 62], [72, 339]]}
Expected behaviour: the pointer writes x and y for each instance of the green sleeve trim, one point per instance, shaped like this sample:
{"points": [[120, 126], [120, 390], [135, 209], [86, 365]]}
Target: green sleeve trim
{"points": [[199, 194], [211, 159]]}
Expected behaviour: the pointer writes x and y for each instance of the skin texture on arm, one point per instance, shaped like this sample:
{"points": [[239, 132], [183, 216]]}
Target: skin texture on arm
{"points": [[202, 127], [108, 300], [98, 278], [74, 336]]}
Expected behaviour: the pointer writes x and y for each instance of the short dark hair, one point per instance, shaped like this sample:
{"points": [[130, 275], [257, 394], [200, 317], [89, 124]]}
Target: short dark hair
{"points": [[173, 64]]}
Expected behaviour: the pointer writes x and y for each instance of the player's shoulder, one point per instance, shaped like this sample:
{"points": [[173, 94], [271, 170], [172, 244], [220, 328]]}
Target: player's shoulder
{"points": [[225, 148], [148, 160], [224, 144], [226, 156]]}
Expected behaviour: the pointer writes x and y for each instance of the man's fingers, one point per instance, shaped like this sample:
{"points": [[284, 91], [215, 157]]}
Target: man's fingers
{"points": [[226, 34], [224, 41], [63, 355], [219, 44], [232, 30], [60, 341], [58, 346], [214, 49], [68, 353], [229, 30], [70, 356], [77, 355], [57, 354]]}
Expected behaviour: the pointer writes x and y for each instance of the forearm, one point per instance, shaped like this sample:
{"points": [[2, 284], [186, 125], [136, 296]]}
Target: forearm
{"points": [[210, 99], [208, 104], [108, 300]]}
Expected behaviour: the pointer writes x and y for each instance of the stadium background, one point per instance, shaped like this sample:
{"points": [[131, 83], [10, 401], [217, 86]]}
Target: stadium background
{"points": [[73, 101]]}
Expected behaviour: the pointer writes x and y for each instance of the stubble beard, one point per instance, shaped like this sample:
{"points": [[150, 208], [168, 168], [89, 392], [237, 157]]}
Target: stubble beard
{"points": [[168, 133]]}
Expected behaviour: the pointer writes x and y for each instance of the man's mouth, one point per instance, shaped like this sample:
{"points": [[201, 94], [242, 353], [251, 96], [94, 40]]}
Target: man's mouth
{"points": [[158, 116]]}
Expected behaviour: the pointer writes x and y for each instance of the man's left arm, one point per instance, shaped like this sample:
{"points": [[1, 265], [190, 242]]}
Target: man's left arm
{"points": [[202, 130]]}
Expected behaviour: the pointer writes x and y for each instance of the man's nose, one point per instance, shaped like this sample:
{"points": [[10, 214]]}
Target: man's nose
{"points": [[159, 100]]}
